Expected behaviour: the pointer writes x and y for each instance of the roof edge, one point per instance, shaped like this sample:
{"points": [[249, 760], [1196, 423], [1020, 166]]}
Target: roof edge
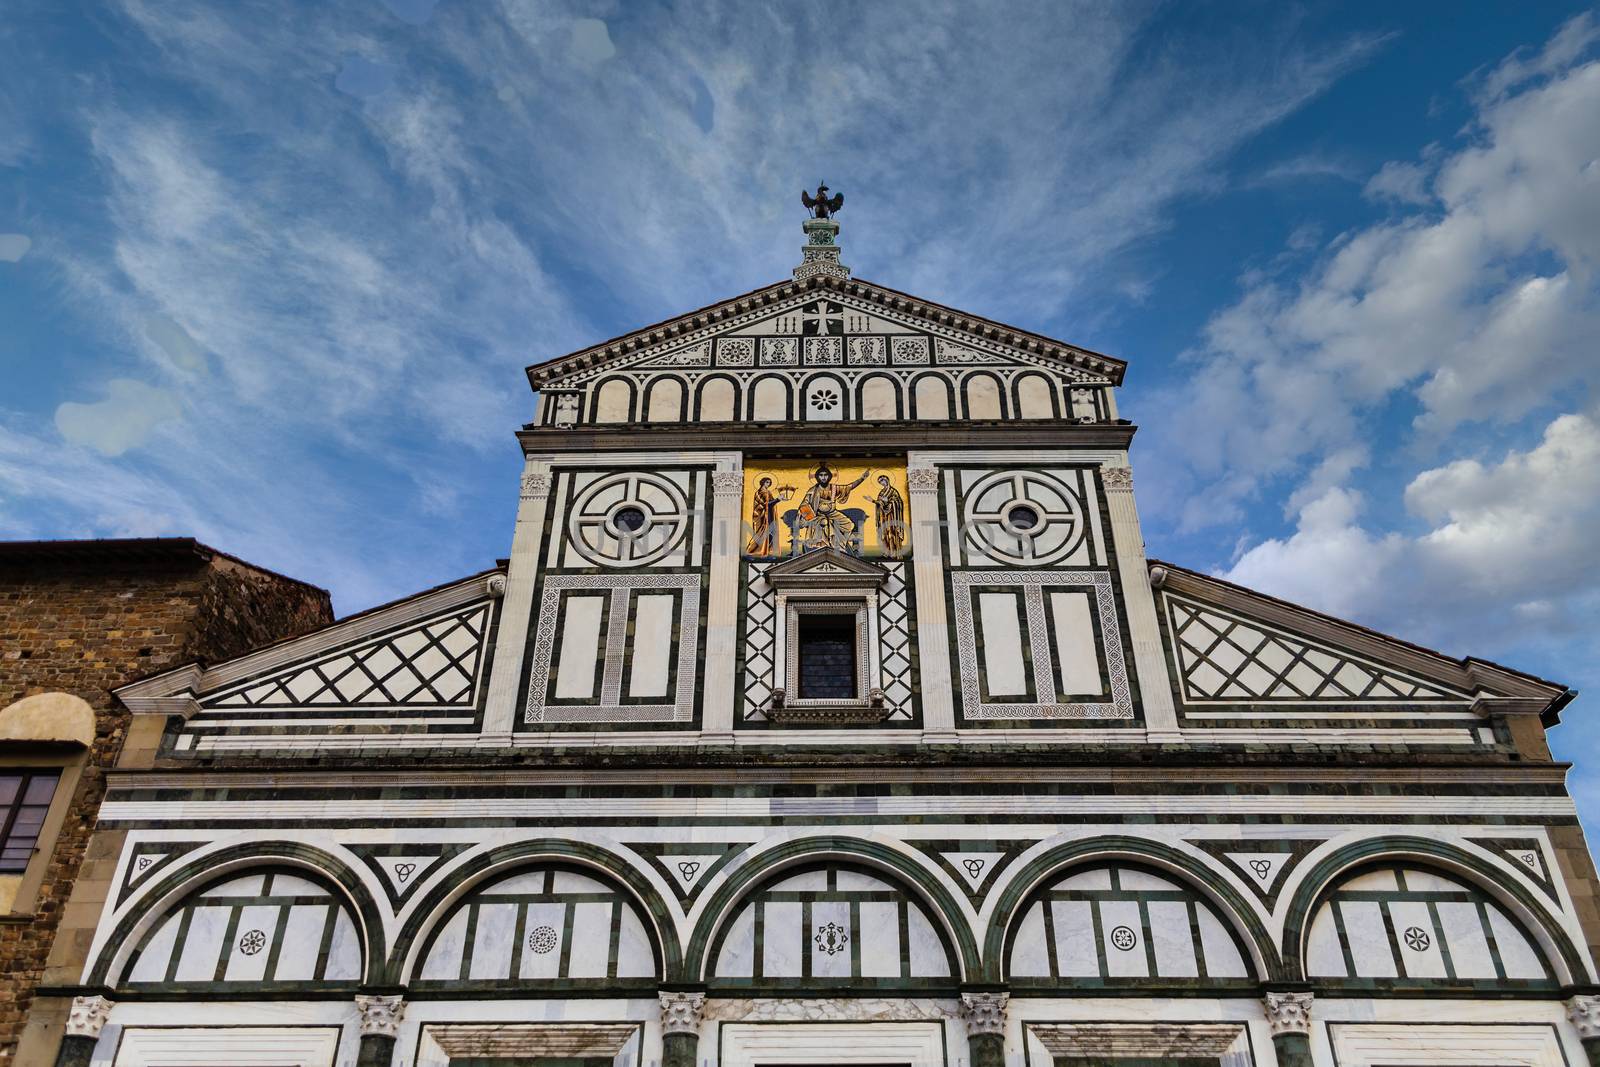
{"points": [[699, 318]]}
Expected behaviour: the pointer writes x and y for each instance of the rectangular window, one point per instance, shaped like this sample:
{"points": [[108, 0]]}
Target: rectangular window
{"points": [[24, 799], [827, 657]]}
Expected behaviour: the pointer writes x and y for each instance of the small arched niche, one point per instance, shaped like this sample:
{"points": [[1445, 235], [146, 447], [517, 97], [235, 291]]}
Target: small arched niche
{"points": [[544, 925], [832, 924], [1407, 924], [1120, 924], [271, 927]]}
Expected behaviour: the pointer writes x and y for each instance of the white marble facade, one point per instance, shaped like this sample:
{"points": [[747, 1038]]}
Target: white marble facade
{"points": [[1097, 805]]}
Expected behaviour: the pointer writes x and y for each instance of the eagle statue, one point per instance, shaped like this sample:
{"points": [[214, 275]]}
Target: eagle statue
{"points": [[822, 206]]}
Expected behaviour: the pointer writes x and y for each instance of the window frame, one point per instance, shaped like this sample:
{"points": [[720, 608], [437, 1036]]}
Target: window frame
{"points": [[13, 810], [860, 607], [68, 767]]}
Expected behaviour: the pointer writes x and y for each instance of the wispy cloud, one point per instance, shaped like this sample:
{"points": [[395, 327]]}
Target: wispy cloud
{"points": [[316, 251]]}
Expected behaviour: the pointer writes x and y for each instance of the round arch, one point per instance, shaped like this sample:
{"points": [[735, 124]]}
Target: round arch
{"points": [[1234, 910], [192, 874], [607, 394], [918, 881], [434, 908], [1558, 950], [711, 383]]}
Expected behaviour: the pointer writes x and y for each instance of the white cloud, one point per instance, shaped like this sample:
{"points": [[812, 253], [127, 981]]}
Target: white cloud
{"points": [[1480, 308], [1400, 181], [13, 246], [591, 41], [1508, 546], [127, 416]]}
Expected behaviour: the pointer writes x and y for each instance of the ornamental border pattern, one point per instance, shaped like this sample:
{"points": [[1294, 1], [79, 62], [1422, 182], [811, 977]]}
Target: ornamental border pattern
{"points": [[974, 707], [620, 586]]}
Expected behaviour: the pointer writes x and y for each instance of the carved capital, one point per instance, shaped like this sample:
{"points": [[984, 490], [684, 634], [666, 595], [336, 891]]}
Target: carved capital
{"points": [[495, 585], [727, 483], [87, 1016], [1288, 1013], [984, 1013], [1117, 479], [681, 1012], [1585, 1015], [535, 486], [922, 479], [380, 1016]]}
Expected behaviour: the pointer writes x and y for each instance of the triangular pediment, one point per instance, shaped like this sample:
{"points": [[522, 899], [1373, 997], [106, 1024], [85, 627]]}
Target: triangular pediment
{"points": [[765, 328], [1232, 646], [824, 326], [828, 562]]}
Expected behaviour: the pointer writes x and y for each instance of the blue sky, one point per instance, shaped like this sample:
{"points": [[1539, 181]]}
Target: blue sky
{"points": [[269, 272]]}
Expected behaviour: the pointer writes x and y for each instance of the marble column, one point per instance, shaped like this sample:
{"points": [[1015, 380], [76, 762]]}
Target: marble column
{"points": [[380, 1025], [722, 608], [985, 1016], [86, 1018], [681, 1014], [933, 641], [1289, 1019], [1149, 660], [1584, 1011]]}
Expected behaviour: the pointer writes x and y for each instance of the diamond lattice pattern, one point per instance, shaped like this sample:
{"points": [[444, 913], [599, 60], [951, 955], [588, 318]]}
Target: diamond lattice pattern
{"points": [[431, 664], [1226, 658]]}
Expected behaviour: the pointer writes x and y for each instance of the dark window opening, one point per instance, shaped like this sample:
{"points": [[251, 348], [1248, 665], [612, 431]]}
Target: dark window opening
{"points": [[1022, 517], [24, 798], [827, 657], [629, 519]]}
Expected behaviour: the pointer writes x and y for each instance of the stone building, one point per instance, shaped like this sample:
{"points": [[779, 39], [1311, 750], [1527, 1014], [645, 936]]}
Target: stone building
{"points": [[828, 711], [78, 619]]}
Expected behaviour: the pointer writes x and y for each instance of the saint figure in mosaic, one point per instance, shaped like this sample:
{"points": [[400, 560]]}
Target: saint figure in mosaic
{"points": [[823, 520], [763, 520], [890, 508]]}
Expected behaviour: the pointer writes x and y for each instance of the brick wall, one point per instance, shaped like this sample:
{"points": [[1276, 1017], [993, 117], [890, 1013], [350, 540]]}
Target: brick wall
{"points": [[87, 623]]}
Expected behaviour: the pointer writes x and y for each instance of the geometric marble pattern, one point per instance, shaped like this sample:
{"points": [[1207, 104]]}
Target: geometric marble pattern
{"points": [[760, 639], [1222, 657], [431, 664]]}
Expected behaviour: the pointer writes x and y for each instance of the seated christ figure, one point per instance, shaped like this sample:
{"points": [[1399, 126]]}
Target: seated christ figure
{"points": [[823, 522]]}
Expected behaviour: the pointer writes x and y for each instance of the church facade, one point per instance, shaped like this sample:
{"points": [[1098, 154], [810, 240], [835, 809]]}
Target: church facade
{"points": [[829, 711]]}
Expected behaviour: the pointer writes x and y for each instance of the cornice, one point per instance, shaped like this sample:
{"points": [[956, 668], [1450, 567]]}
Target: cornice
{"points": [[864, 438]]}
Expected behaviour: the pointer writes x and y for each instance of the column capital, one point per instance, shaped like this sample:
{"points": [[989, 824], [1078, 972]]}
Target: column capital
{"points": [[380, 1016], [984, 1013], [1584, 1012], [535, 486], [1117, 479], [727, 483], [922, 479], [87, 1016], [681, 1012], [1288, 1013]]}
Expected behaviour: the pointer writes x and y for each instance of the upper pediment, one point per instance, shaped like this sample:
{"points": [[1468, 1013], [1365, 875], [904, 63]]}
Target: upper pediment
{"points": [[817, 343]]}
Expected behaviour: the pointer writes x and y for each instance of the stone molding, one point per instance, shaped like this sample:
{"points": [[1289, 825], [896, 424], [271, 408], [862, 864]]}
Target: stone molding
{"points": [[380, 1016], [1584, 1013], [843, 1009], [681, 1013], [984, 1013], [87, 1016], [1288, 1013]]}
